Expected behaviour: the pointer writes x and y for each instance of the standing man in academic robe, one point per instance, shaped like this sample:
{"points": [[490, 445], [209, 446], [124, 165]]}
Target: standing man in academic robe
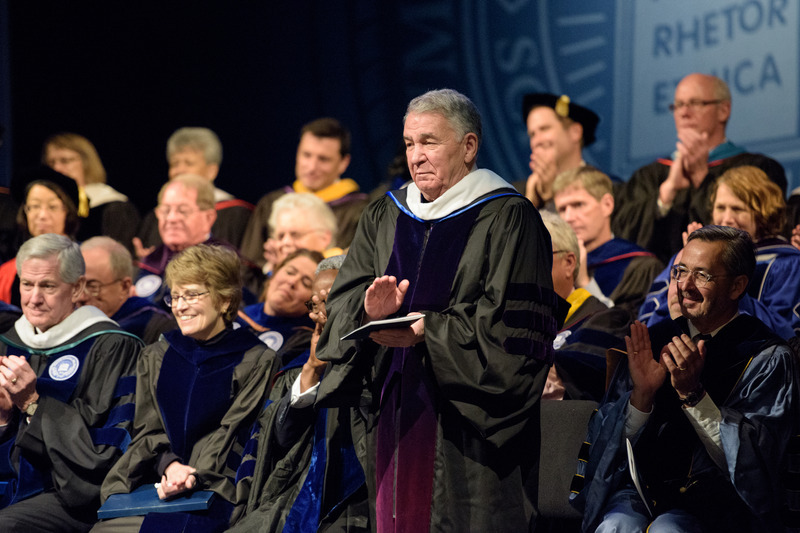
{"points": [[662, 198], [452, 401], [67, 380]]}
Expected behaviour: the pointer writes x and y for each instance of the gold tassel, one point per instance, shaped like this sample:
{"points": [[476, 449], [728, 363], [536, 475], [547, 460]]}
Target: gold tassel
{"points": [[83, 203], [562, 106]]}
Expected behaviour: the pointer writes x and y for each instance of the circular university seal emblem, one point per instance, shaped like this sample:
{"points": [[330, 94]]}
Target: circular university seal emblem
{"points": [[272, 339], [148, 285], [496, 52], [64, 367]]}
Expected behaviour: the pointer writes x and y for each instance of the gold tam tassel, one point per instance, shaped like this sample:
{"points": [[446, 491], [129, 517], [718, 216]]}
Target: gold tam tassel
{"points": [[562, 106]]}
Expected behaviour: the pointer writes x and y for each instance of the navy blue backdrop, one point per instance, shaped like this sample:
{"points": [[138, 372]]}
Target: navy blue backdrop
{"points": [[126, 75]]}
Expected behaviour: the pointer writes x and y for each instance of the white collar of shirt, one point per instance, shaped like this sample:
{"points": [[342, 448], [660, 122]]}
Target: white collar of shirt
{"points": [[471, 187], [694, 332], [77, 321]]}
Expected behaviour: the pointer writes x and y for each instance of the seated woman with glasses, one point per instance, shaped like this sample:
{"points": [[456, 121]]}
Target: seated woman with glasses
{"points": [[284, 310], [746, 199], [198, 392], [48, 204]]}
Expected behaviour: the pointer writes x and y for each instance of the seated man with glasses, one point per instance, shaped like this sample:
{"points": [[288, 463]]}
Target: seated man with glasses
{"points": [[109, 276], [662, 198], [185, 215], [708, 402]]}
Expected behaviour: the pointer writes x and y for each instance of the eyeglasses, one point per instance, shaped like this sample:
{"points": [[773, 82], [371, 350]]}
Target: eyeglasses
{"points": [[53, 161], [50, 208], [94, 287], [694, 104], [560, 251], [190, 298], [183, 211], [700, 278]]}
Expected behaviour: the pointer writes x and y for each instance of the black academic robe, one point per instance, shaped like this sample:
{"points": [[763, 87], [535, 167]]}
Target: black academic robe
{"points": [[306, 475], [195, 403], [117, 219], [483, 280], [81, 425], [636, 211], [581, 345]]}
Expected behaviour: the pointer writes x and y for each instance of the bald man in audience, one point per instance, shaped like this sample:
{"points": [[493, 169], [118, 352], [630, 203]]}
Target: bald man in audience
{"points": [[662, 198]]}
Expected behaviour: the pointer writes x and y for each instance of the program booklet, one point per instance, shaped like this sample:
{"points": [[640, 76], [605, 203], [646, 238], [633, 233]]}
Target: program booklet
{"points": [[145, 500], [638, 482], [377, 325]]}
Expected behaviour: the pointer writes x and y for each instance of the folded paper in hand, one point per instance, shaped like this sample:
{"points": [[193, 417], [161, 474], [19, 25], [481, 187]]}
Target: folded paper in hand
{"points": [[377, 325]]}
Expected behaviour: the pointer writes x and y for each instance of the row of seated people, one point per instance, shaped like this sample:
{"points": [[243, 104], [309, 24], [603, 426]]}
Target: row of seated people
{"points": [[703, 275], [708, 418], [647, 214], [193, 401], [323, 156], [284, 443], [742, 198], [187, 214]]}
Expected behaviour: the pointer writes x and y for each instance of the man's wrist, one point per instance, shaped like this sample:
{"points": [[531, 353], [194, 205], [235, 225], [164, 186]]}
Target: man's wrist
{"points": [[666, 195], [693, 397], [29, 407], [642, 401]]}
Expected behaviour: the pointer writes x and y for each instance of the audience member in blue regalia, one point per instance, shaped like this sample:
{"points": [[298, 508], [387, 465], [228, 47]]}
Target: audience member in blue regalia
{"points": [[617, 271], [746, 199], [708, 403], [283, 312], [109, 277], [579, 369], [198, 391]]}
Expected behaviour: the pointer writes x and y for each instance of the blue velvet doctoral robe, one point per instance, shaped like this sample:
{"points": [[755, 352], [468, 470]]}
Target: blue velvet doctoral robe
{"points": [[622, 270], [753, 378]]}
